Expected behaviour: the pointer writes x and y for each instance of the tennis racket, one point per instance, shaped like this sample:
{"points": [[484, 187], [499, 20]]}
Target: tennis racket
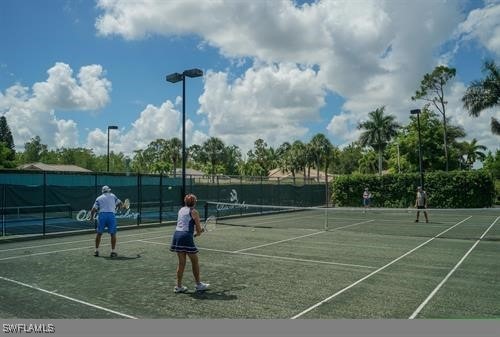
{"points": [[209, 224], [126, 203]]}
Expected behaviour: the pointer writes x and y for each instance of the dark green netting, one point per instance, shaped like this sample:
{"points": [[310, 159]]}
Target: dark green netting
{"points": [[47, 202]]}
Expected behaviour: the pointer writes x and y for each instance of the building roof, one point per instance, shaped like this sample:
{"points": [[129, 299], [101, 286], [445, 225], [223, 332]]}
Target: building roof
{"points": [[52, 167], [190, 171], [278, 173]]}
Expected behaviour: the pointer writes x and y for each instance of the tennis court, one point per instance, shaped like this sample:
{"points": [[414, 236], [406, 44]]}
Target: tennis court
{"points": [[278, 263]]}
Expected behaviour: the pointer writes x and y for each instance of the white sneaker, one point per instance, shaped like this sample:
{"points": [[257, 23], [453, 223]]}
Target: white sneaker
{"points": [[202, 286], [182, 289]]}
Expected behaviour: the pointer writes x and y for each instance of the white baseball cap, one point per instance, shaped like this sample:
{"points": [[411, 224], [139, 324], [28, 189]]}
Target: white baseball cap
{"points": [[105, 189]]}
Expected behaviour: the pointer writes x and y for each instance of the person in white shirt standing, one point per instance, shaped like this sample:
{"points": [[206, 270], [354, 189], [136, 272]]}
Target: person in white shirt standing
{"points": [[421, 203], [105, 205]]}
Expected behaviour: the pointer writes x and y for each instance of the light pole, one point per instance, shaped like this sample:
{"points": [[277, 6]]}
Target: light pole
{"points": [[174, 78], [110, 127], [417, 112]]}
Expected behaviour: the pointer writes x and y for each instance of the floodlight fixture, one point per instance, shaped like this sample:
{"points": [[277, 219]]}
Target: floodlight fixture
{"points": [[174, 78], [110, 127]]}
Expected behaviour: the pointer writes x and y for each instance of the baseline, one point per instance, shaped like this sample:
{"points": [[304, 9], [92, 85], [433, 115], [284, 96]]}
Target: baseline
{"points": [[67, 298]]}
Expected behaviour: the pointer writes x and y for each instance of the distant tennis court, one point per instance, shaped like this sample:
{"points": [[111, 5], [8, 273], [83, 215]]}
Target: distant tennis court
{"points": [[284, 263]]}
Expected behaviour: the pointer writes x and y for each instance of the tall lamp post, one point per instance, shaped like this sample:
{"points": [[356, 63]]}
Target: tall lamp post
{"points": [[110, 127], [174, 78], [417, 112]]}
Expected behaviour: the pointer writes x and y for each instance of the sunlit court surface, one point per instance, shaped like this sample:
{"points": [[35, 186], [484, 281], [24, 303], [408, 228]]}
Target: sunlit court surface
{"points": [[268, 263]]}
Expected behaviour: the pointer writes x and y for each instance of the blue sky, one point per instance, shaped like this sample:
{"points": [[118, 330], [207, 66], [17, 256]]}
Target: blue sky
{"points": [[276, 70]]}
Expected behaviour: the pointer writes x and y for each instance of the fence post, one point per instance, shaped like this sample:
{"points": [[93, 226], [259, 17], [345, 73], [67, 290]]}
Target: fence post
{"points": [[279, 192], [139, 198], [4, 194], [161, 196], [44, 200]]}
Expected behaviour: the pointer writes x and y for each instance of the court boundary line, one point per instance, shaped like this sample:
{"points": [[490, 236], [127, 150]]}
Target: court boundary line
{"points": [[269, 256], [438, 287], [299, 237], [67, 297], [374, 272], [70, 249], [263, 221], [280, 241], [66, 242]]}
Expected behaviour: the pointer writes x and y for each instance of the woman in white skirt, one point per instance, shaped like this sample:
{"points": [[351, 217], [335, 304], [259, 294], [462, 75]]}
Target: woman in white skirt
{"points": [[188, 226]]}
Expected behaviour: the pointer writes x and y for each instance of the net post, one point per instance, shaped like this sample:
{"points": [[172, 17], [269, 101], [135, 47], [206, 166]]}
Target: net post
{"points": [[326, 219], [205, 207]]}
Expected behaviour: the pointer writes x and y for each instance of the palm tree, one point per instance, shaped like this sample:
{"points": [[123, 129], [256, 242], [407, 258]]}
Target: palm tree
{"points": [[321, 149], [379, 130], [282, 155], [213, 149], [309, 160], [140, 162], [495, 126], [368, 162], [472, 151], [298, 157], [174, 148], [485, 93]]}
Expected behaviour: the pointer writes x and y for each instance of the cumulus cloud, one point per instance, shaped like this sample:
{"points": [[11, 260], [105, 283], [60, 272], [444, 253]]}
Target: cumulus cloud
{"points": [[475, 127], [163, 122], [268, 102], [31, 113], [483, 25], [62, 91], [372, 53]]}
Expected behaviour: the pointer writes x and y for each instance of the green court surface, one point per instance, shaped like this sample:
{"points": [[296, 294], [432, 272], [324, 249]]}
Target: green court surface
{"points": [[363, 266]]}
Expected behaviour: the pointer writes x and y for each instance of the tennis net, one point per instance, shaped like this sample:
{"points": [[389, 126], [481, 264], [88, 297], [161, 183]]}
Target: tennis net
{"points": [[463, 223]]}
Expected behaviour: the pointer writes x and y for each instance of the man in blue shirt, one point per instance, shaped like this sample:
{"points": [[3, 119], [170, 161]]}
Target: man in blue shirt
{"points": [[105, 205]]}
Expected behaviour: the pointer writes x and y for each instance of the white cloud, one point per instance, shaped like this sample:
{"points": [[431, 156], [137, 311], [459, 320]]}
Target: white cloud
{"points": [[32, 113], [475, 127], [268, 102], [483, 24], [62, 91], [153, 123], [372, 53]]}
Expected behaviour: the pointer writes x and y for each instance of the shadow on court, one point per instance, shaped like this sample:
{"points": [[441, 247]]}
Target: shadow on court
{"points": [[122, 257], [213, 295]]}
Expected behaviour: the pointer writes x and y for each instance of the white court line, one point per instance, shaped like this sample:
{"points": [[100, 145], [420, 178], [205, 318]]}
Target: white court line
{"points": [[67, 297], [431, 295], [298, 237], [375, 272], [276, 242], [71, 249], [253, 223], [69, 242], [270, 256]]}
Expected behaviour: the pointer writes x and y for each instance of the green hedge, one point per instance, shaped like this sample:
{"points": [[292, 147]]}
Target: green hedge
{"points": [[457, 189]]}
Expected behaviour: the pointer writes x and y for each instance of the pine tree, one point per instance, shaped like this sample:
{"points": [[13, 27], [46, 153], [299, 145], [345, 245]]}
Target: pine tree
{"points": [[6, 138]]}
